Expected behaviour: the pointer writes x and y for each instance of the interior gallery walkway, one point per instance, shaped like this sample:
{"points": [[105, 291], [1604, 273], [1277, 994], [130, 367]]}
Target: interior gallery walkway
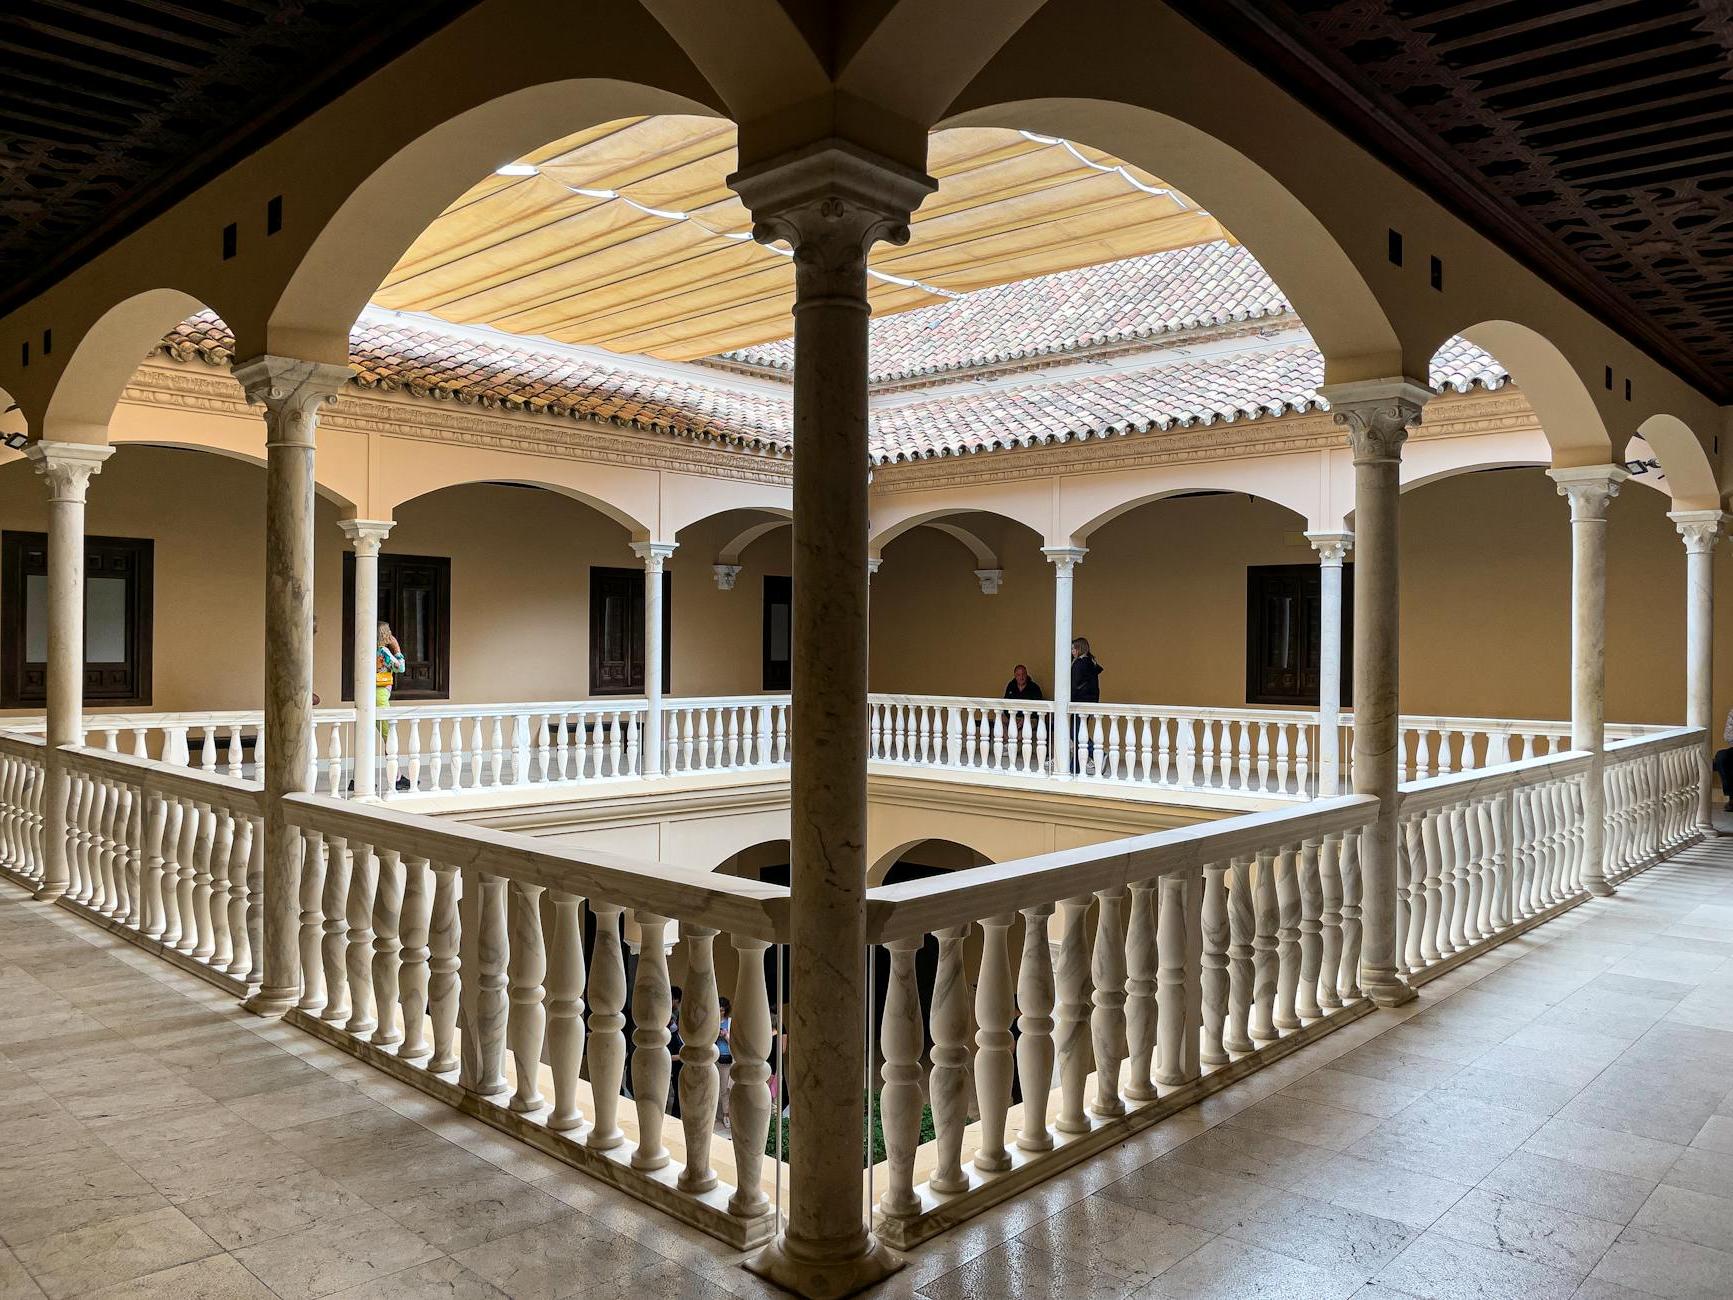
{"points": [[1552, 1119]]}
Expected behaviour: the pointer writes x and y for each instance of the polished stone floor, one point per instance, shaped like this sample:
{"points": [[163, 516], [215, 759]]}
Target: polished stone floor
{"points": [[1552, 1120]]}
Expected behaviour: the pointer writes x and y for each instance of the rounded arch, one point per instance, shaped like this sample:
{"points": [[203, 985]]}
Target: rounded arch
{"points": [[985, 556], [938, 854], [735, 547], [1081, 534], [891, 522], [386, 212], [601, 505], [322, 488], [1302, 256], [105, 360], [1689, 477], [1569, 417]]}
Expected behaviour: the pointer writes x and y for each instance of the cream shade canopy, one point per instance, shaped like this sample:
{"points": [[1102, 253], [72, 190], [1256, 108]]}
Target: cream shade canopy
{"points": [[626, 236]]}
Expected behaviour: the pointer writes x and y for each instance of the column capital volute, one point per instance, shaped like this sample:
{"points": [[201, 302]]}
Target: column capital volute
{"points": [[1332, 547], [831, 200], [1376, 413], [291, 391], [1589, 488], [726, 574], [654, 554], [366, 535], [1700, 529], [68, 466], [1065, 558]]}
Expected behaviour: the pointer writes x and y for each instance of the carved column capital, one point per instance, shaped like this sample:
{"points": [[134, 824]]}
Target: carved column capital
{"points": [[726, 574], [68, 466], [291, 392], [1700, 529], [873, 564], [1590, 489], [831, 201], [1332, 548], [366, 535], [1376, 413], [654, 554], [990, 580], [1065, 558]]}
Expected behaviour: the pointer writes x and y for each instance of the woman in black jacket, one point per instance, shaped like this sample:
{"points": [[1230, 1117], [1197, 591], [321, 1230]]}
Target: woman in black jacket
{"points": [[1085, 689]]}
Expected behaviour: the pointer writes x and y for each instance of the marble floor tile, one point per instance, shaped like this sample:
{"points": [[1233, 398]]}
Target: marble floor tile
{"points": [[1356, 1092], [1177, 1192], [270, 1205], [217, 1277], [1410, 1197], [1439, 1267], [50, 1205], [330, 1257], [474, 1210], [1597, 1193], [560, 1258], [15, 1281], [1321, 1233], [1571, 1243], [1599, 1148], [1666, 1266], [113, 1250], [1102, 1232], [1234, 1270], [1314, 1123], [1696, 1217]]}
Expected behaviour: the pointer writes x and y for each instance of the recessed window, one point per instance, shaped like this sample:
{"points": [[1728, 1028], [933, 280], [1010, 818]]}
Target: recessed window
{"points": [[778, 633], [1283, 622], [118, 575], [617, 631], [415, 598]]}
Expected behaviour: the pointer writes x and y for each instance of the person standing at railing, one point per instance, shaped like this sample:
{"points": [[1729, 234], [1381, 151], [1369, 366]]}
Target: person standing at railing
{"points": [[1086, 673], [388, 661], [1724, 762]]}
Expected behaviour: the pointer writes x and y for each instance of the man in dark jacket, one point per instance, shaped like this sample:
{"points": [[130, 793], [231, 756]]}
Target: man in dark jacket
{"points": [[1022, 686]]}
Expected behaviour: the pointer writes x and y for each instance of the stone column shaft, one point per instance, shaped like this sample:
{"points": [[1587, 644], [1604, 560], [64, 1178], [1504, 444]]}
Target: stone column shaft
{"points": [[831, 202], [1332, 550], [1065, 560], [365, 535], [291, 392], [68, 467], [1701, 531], [1590, 489], [655, 556], [1377, 414]]}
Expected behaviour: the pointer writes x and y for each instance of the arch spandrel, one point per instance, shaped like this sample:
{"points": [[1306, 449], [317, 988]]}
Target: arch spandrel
{"points": [[1690, 478]]}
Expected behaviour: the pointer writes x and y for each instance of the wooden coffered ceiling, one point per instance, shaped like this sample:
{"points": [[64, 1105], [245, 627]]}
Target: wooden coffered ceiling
{"points": [[1592, 139]]}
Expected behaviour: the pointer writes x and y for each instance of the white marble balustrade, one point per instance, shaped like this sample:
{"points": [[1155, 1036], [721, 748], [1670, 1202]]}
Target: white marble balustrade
{"points": [[493, 971], [23, 787], [724, 732]]}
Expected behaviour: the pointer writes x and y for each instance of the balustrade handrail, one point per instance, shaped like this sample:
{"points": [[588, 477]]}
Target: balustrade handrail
{"points": [[193, 783], [1481, 783], [1654, 742], [962, 897], [731, 904]]}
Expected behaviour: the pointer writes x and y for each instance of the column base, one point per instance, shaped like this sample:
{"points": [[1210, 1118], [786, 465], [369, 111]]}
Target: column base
{"points": [[46, 893], [272, 1004], [1386, 989], [824, 1279], [1599, 888]]}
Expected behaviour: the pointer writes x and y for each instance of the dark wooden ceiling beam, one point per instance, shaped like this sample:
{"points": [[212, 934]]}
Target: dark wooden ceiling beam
{"points": [[1721, 90], [201, 18], [132, 53], [1575, 73], [78, 65], [202, 45], [1564, 44]]}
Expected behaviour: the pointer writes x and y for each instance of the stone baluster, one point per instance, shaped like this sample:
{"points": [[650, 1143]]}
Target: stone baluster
{"points": [[1287, 891], [948, 1081], [413, 974], [222, 851], [994, 1043], [1177, 1043], [358, 955], [527, 968], [749, 1080], [387, 946], [1413, 842], [1107, 1021], [1071, 1034], [607, 1042], [1473, 921], [1433, 908], [1349, 982], [482, 988], [1035, 1024], [203, 940], [900, 1097], [565, 1030], [1311, 932], [444, 967], [1140, 991], [700, 1022], [1214, 975], [168, 883], [652, 1067], [1242, 924], [1265, 963], [1460, 873], [334, 905]]}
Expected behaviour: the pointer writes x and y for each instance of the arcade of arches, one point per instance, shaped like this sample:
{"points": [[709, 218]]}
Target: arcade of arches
{"points": [[690, 826]]}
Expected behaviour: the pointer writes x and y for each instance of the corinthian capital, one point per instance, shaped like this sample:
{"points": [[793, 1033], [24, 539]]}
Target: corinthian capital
{"points": [[1590, 488], [831, 201], [1701, 529], [68, 466], [1376, 413], [291, 392]]}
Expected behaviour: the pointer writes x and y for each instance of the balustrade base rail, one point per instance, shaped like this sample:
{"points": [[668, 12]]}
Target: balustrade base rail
{"points": [[941, 1211]]}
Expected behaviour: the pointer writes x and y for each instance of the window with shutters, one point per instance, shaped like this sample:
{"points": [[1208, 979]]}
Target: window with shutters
{"points": [[1283, 621], [118, 611]]}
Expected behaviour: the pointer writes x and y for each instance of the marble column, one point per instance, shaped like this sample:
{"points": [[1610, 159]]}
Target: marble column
{"points": [[67, 466], [1332, 550], [1376, 414], [365, 536], [1590, 490], [655, 557], [1701, 531], [291, 392], [831, 202], [1065, 561]]}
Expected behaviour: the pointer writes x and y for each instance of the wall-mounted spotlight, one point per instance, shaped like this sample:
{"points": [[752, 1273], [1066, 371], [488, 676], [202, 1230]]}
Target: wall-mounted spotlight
{"points": [[1635, 467], [16, 441]]}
